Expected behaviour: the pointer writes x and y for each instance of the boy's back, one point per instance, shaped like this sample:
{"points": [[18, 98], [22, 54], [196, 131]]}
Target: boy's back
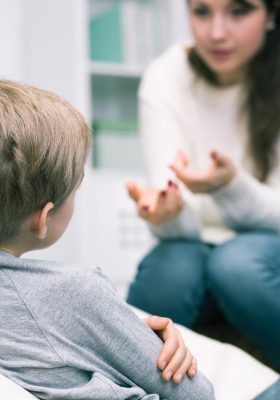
{"points": [[68, 336]]}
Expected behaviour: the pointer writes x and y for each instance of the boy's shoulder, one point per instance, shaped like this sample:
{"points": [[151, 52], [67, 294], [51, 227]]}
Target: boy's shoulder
{"points": [[56, 296], [46, 280]]}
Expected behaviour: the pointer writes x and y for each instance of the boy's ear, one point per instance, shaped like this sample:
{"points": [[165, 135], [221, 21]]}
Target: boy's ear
{"points": [[38, 223]]}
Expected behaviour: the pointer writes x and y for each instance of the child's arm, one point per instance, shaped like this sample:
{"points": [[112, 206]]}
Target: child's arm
{"points": [[109, 339], [175, 359]]}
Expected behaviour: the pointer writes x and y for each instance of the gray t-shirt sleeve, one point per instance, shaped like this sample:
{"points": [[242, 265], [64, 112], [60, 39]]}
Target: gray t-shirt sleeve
{"points": [[98, 332]]}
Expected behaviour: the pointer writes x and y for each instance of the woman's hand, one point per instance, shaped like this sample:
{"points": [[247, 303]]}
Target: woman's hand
{"points": [[175, 359], [156, 206], [219, 174]]}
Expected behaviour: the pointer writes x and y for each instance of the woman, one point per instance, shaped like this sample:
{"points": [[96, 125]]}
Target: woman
{"points": [[218, 102]]}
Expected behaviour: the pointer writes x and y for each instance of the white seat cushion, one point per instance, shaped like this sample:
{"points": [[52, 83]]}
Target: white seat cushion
{"points": [[9, 390]]}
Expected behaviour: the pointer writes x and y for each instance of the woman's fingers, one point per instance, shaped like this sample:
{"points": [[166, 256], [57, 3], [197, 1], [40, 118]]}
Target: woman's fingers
{"points": [[220, 159], [154, 205], [133, 191], [147, 201], [144, 197], [174, 201], [180, 164], [181, 160]]}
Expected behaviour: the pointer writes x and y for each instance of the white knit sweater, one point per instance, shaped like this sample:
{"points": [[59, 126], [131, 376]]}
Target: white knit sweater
{"points": [[180, 111]]}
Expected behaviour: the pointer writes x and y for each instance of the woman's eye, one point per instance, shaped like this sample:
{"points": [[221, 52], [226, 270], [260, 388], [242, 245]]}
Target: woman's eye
{"points": [[239, 12], [201, 12]]}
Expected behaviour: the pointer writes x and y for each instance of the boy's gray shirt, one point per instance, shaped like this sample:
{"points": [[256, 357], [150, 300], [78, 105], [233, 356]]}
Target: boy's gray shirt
{"points": [[65, 334]]}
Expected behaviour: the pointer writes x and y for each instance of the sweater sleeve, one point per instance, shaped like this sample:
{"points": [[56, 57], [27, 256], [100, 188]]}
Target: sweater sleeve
{"points": [[162, 135], [185, 225], [105, 336], [248, 204]]}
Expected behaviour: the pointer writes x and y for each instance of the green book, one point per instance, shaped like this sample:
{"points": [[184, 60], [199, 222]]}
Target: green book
{"points": [[105, 36], [123, 126]]}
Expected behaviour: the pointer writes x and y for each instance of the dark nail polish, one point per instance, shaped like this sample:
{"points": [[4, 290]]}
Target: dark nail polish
{"points": [[214, 153]]}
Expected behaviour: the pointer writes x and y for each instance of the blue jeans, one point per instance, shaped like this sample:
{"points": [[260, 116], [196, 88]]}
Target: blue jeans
{"points": [[242, 275], [272, 393]]}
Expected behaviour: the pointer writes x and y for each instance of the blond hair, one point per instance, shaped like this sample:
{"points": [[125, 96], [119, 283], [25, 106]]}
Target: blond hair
{"points": [[44, 143]]}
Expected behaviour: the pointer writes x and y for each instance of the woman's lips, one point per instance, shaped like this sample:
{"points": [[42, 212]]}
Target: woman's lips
{"points": [[221, 54]]}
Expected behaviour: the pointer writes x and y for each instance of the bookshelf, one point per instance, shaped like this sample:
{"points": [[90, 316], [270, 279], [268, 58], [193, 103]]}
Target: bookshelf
{"points": [[63, 53], [124, 36]]}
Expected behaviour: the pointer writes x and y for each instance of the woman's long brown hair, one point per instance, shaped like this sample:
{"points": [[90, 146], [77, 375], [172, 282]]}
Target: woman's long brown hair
{"points": [[263, 94]]}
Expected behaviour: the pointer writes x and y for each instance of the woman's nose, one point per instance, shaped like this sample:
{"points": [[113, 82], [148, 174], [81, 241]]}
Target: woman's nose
{"points": [[218, 28]]}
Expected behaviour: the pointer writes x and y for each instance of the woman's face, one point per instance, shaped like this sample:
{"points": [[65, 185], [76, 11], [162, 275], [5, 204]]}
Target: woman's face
{"points": [[228, 34]]}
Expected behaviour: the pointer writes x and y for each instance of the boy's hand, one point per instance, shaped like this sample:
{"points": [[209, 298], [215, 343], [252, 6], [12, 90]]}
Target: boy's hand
{"points": [[219, 174], [175, 359], [156, 206]]}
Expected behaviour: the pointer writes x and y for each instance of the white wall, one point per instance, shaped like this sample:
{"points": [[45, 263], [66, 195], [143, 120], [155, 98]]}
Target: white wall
{"points": [[179, 13], [23, 56], [11, 39], [56, 47], [55, 53]]}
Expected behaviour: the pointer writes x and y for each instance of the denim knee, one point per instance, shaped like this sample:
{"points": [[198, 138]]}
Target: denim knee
{"points": [[243, 276], [247, 258], [171, 280]]}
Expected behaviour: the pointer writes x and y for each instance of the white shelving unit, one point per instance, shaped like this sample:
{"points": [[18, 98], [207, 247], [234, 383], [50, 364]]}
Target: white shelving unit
{"points": [[114, 69], [56, 43]]}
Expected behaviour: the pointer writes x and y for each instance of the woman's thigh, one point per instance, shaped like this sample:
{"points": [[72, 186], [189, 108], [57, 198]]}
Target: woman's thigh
{"points": [[171, 280], [244, 277]]}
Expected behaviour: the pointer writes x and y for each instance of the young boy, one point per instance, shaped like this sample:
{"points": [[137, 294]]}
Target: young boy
{"points": [[64, 333]]}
